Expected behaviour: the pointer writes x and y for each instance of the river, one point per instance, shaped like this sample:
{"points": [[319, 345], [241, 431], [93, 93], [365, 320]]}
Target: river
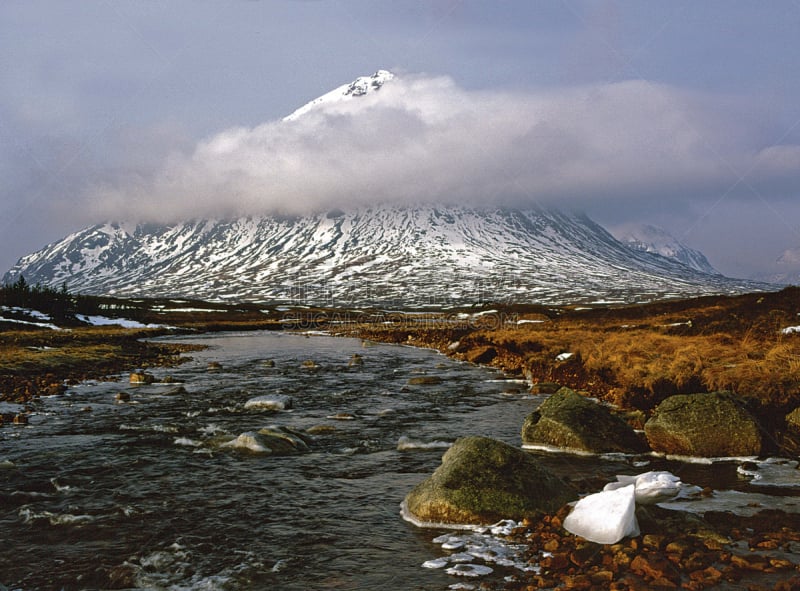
{"points": [[99, 493]]}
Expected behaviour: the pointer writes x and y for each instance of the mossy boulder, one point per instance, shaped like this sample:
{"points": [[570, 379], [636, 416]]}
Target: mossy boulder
{"points": [[570, 421], [705, 425], [481, 481]]}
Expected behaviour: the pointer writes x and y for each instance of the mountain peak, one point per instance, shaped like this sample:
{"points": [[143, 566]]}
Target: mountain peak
{"points": [[361, 86], [656, 240]]}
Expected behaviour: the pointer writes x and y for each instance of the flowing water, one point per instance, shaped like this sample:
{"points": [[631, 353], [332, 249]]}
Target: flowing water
{"points": [[99, 493]]}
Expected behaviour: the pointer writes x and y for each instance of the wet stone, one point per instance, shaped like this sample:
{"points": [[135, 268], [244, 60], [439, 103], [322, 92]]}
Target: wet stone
{"points": [[141, 377], [424, 381]]}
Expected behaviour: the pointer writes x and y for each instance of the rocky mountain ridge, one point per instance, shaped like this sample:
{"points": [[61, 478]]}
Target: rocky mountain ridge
{"points": [[383, 256]]}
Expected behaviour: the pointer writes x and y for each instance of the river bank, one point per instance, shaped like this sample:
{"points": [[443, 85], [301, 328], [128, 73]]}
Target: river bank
{"points": [[632, 357]]}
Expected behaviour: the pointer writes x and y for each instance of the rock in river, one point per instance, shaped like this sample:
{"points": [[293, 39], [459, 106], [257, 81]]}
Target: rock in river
{"points": [[270, 402], [705, 425], [142, 377], [274, 440], [570, 421], [481, 481]]}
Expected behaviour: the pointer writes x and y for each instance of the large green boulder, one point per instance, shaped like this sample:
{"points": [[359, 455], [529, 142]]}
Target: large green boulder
{"points": [[571, 421], [705, 425], [482, 481]]}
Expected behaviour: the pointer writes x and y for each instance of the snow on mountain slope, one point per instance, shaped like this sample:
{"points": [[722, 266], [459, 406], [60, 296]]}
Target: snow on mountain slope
{"points": [[359, 87], [390, 256], [653, 239]]}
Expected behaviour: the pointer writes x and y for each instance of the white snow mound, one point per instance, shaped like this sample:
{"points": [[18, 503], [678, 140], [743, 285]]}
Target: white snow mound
{"points": [[608, 516]]}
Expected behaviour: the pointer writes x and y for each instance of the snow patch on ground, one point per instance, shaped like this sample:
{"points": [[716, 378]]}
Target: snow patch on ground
{"points": [[123, 322]]}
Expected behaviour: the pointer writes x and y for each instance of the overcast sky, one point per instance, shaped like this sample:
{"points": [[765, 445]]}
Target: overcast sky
{"points": [[680, 114]]}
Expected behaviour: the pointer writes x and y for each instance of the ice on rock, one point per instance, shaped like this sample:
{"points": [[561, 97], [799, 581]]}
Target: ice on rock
{"points": [[651, 487], [269, 402], [454, 544], [461, 557], [504, 528], [470, 570], [605, 517], [248, 441], [435, 563]]}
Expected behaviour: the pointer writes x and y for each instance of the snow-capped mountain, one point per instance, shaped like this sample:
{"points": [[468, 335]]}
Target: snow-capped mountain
{"points": [[359, 87], [653, 239], [785, 270], [389, 256], [385, 255]]}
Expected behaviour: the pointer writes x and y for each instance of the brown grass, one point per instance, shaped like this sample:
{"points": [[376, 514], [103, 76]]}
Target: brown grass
{"points": [[636, 356], [39, 362]]}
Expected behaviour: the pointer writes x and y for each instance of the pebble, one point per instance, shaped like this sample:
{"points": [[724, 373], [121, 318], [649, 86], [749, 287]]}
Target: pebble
{"points": [[668, 558]]}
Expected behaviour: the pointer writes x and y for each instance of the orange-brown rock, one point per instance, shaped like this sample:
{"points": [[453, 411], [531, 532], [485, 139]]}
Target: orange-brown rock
{"points": [[555, 562], [652, 566]]}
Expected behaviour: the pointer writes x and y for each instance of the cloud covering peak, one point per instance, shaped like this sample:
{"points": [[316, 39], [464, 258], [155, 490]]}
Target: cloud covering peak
{"points": [[426, 139]]}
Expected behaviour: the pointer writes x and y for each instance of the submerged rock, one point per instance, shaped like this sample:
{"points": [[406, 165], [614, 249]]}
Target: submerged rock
{"points": [[569, 420], [481, 481], [705, 425], [424, 381], [175, 391]]}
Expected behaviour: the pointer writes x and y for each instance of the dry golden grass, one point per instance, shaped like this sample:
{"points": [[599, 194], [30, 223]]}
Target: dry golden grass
{"points": [[636, 356], [38, 362]]}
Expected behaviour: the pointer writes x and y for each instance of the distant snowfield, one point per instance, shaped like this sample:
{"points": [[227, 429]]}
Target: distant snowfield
{"points": [[123, 322], [35, 314], [41, 320]]}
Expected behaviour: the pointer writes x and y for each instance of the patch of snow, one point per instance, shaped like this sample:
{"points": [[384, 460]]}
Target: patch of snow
{"points": [[28, 323], [123, 322], [608, 516], [605, 517]]}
